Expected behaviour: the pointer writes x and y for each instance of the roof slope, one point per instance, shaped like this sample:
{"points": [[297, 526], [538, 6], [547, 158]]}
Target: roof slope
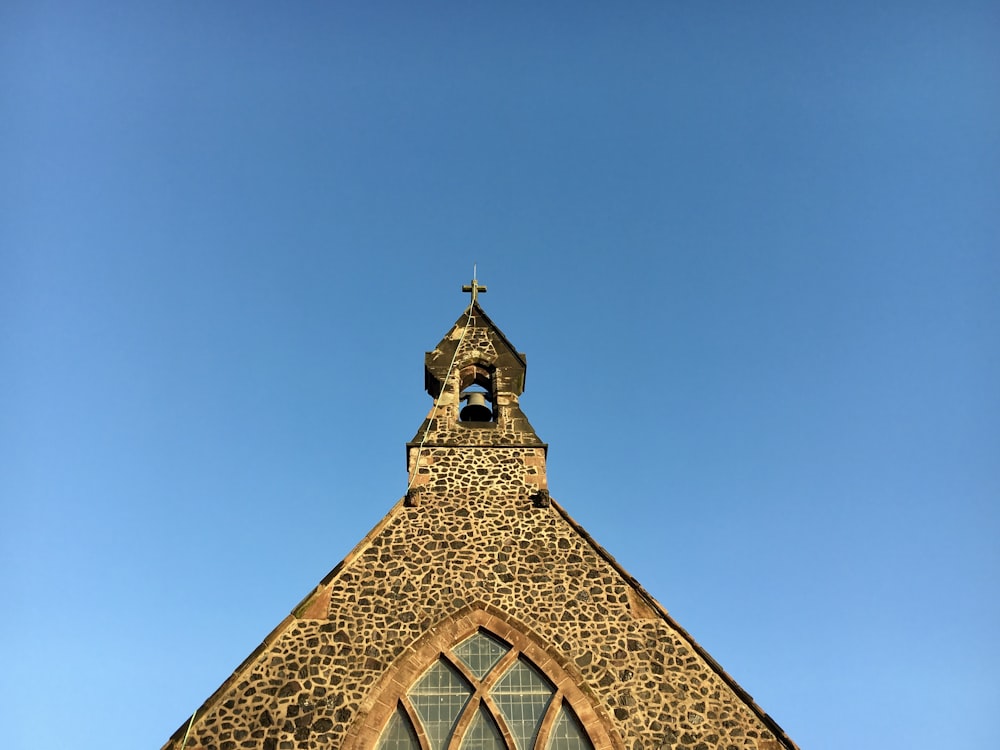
{"points": [[319, 676]]}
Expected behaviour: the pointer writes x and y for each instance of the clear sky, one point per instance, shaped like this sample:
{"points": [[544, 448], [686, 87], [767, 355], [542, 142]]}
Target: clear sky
{"points": [[752, 251]]}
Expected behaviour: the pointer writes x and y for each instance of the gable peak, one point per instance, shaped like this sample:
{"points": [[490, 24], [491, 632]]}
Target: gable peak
{"points": [[475, 376]]}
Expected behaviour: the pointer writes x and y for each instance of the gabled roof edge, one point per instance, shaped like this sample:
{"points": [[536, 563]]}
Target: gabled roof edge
{"points": [[217, 695], [771, 724], [478, 310], [271, 637]]}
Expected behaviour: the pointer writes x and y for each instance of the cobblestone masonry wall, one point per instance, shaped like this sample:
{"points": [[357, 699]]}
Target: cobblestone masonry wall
{"points": [[476, 541]]}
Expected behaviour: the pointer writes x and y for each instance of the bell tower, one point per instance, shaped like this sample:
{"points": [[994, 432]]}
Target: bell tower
{"points": [[475, 376]]}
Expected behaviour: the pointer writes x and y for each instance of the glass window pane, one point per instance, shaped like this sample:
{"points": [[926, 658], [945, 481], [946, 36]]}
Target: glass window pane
{"points": [[523, 695], [439, 697], [480, 653], [399, 734], [483, 733], [567, 734]]}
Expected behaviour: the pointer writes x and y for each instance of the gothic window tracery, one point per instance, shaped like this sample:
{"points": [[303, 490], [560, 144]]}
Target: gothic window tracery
{"points": [[483, 694]]}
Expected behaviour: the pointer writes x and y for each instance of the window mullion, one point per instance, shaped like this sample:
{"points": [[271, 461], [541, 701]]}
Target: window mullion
{"points": [[414, 717], [464, 720], [499, 670], [497, 715], [471, 706], [551, 714], [463, 670]]}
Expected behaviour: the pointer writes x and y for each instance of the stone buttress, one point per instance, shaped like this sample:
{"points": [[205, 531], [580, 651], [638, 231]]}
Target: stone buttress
{"points": [[477, 545]]}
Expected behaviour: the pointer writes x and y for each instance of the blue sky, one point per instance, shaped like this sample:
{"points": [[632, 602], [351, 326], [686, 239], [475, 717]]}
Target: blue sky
{"points": [[752, 252]]}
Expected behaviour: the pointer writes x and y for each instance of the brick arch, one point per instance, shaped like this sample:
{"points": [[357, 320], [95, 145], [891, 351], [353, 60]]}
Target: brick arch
{"points": [[381, 702]]}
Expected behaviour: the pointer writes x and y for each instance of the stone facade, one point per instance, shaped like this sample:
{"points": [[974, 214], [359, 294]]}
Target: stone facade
{"points": [[477, 544]]}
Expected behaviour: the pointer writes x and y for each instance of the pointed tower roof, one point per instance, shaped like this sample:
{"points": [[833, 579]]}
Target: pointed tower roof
{"points": [[475, 356], [478, 613]]}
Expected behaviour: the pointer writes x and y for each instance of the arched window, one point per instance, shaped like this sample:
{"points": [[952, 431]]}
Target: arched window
{"points": [[483, 694]]}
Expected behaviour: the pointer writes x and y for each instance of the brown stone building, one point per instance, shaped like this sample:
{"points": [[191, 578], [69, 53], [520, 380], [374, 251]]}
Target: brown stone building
{"points": [[477, 615]]}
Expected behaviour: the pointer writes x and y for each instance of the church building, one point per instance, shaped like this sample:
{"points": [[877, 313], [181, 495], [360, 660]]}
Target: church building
{"points": [[478, 615]]}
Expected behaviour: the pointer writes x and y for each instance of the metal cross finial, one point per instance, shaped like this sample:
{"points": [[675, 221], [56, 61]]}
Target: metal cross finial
{"points": [[474, 287]]}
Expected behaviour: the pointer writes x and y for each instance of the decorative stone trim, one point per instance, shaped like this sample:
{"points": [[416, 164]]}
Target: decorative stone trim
{"points": [[375, 711]]}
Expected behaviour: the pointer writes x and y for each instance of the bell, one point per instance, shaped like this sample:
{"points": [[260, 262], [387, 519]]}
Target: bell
{"points": [[475, 409]]}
